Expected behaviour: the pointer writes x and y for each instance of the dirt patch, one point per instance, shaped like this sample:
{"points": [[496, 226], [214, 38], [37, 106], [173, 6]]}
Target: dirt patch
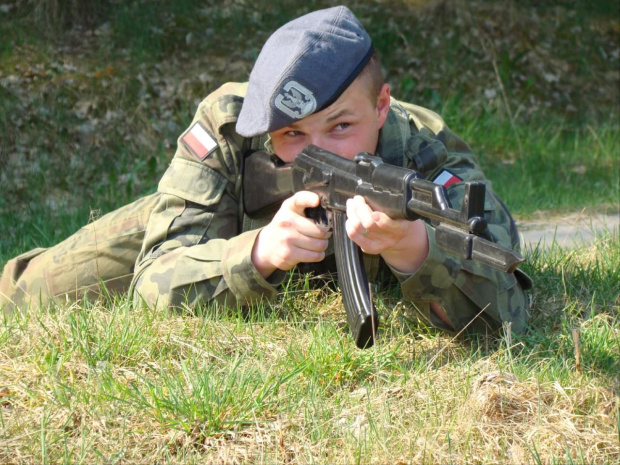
{"points": [[568, 231]]}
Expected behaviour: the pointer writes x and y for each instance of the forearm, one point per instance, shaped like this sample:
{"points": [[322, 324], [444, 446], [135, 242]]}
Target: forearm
{"points": [[466, 290], [219, 271], [409, 254], [193, 252]]}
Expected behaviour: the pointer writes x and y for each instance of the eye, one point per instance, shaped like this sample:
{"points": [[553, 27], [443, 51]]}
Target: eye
{"points": [[341, 126]]}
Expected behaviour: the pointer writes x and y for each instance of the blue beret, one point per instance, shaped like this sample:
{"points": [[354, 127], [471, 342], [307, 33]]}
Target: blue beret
{"points": [[303, 67]]}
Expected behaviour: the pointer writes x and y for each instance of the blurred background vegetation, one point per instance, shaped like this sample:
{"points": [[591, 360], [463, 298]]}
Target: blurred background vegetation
{"points": [[93, 94]]}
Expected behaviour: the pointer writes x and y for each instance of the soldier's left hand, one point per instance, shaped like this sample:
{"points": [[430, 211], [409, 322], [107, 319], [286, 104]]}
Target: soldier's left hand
{"points": [[402, 244]]}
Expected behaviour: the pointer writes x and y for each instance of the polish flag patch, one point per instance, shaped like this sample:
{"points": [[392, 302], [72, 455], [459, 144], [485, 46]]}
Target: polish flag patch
{"points": [[446, 178], [199, 141]]}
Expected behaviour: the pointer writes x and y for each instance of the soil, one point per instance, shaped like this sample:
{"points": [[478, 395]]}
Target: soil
{"points": [[573, 230]]}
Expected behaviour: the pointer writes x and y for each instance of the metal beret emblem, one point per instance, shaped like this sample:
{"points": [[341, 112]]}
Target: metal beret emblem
{"points": [[295, 100]]}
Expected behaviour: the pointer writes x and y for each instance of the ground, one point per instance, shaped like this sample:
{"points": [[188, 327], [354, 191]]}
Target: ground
{"points": [[567, 230]]}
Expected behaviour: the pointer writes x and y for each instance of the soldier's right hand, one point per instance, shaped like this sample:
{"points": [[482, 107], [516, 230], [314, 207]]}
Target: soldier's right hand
{"points": [[290, 238]]}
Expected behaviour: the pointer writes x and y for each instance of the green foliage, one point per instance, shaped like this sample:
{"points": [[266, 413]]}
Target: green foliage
{"points": [[556, 165]]}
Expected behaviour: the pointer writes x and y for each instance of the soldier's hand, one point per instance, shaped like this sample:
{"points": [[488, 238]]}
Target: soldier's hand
{"points": [[402, 244], [290, 238]]}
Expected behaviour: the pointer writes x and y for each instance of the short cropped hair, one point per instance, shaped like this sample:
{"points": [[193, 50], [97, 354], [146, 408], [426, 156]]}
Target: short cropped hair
{"points": [[373, 73]]}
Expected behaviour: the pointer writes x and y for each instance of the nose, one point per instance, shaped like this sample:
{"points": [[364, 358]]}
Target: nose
{"points": [[333, 146], [317, 140], [326, 143]]}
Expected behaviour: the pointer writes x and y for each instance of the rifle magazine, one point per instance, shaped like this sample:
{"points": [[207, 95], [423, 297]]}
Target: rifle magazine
{"points": [[361, 313]]}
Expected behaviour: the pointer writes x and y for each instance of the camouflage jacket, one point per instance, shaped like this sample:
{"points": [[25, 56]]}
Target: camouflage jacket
{"points": [[198, 240]]}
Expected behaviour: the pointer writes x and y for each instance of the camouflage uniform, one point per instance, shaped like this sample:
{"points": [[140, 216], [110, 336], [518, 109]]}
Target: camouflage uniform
{"points": [[102, 252], [197, 244], [198, 241]]}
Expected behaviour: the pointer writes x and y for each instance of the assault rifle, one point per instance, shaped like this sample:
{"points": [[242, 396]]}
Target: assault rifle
{"points": [[399, 192]]}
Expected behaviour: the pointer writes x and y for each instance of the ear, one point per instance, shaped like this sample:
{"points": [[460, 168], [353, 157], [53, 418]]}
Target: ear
{"points": [[383, 104]]}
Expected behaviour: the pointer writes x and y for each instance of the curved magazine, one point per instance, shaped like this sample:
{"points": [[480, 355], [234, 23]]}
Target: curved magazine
{"points": [[361, 313]]}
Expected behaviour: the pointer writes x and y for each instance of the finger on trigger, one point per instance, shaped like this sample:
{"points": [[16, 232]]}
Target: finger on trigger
{"points": [[306, 199]]}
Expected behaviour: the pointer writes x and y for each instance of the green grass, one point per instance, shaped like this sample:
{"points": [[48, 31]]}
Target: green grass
{"points": [[89, 119], [556, 166], [111, 382]]}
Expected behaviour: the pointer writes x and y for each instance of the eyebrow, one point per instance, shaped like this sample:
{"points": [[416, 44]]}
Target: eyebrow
{"points": [[343, 112], [294, 126]]}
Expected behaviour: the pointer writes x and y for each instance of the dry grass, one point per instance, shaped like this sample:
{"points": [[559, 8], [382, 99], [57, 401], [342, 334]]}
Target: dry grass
{"points": [[107, 383]]}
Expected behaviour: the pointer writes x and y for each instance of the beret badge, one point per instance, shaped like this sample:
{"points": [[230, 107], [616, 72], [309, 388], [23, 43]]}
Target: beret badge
{"points": [[295, 100]]}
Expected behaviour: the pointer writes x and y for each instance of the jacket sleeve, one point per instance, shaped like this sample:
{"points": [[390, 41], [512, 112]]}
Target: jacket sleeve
{"points": [[194, 251], [475, 296]]}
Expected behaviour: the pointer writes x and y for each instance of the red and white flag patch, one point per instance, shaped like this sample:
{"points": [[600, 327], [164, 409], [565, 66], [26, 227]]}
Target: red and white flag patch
{"points": [[199, 141], [446, 178]]}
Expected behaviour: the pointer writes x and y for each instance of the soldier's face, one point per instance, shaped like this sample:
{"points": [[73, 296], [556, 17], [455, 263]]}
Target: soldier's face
{"points": [[348, 126]]}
